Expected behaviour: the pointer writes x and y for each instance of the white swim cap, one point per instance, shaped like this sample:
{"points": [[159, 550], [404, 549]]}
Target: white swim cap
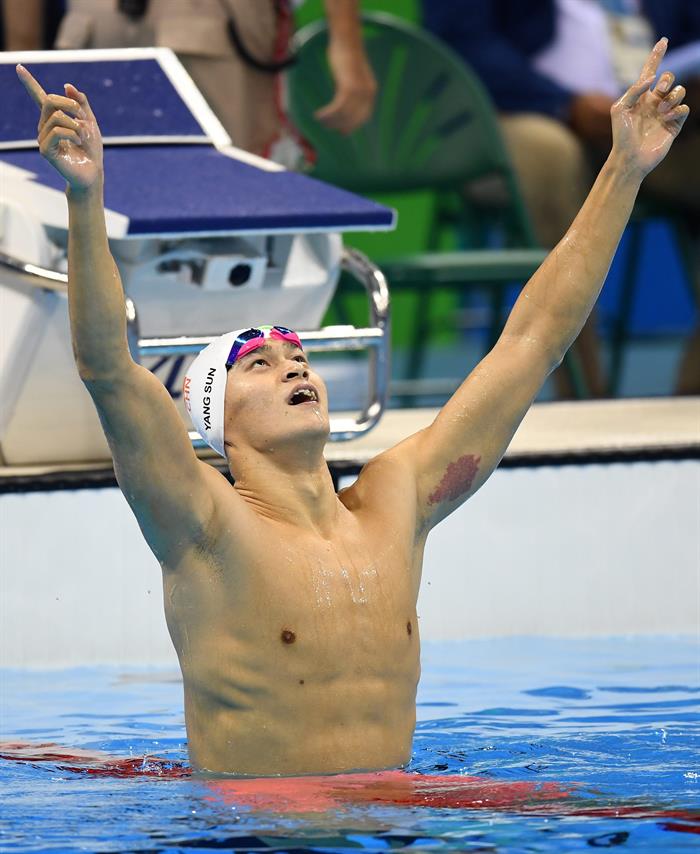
{"points": [[204, 387]]}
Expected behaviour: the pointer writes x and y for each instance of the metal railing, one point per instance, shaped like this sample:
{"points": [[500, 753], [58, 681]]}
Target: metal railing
{"points": [[375, 338], [33, 275]]}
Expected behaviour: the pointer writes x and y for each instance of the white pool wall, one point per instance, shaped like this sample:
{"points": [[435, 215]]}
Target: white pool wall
{"points": [[584, 550]]}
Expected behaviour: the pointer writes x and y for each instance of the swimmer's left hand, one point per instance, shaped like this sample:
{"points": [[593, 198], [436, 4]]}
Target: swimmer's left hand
{"points": [[645, 121]]}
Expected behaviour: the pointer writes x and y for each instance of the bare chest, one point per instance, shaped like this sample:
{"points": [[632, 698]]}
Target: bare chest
{"points": [[357, 582], [346, 602]]}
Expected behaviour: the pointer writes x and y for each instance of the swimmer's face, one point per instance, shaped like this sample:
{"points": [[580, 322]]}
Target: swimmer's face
{"points": [[273, 397]]}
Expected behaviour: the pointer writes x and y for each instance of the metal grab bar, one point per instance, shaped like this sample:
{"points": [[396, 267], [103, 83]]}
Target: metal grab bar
{"points": [[375, 339], [31, 274]]}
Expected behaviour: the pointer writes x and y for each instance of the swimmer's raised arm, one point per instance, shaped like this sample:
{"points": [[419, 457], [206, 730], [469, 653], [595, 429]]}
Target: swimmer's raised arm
{"points": [[453, 457], [155, 464]]}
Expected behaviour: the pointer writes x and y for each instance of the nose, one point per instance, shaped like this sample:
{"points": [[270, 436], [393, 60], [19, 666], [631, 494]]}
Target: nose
{"points": [[297, 371]]}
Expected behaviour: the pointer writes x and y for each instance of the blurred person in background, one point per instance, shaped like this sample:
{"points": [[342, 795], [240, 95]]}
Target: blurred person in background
{"points": [[29, 24], [554, 68], [235, 51]]}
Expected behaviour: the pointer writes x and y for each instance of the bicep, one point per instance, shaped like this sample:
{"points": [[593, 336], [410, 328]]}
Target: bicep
{"points": [[457, 453], [155, 464]]}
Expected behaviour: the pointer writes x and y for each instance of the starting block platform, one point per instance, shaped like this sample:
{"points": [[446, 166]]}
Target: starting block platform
{"points": [[190, 190]]}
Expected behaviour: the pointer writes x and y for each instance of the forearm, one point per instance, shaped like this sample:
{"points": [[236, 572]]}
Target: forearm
{"points": [[556, 301], [95, 295], [344, 22]]}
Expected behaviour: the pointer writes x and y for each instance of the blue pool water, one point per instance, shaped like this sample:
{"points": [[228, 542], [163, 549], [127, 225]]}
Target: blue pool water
{"points": [[620, 718]]}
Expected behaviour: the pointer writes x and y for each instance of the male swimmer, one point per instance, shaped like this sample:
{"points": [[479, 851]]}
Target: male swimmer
{"points": [[293, 608]]}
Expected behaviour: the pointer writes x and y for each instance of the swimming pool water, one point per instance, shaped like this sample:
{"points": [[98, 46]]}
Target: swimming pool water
{"points": [[620, 718]]}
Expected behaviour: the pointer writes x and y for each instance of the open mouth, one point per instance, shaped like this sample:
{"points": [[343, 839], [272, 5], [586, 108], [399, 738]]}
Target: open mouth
{"points": [[303, 394]]}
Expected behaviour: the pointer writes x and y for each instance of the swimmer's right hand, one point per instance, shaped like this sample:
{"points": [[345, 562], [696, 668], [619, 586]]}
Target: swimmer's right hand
{"points": [[68, 135]]}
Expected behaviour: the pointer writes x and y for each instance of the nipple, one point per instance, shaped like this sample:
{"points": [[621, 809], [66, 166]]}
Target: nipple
{"points": [[409, 628], [287, 636]]}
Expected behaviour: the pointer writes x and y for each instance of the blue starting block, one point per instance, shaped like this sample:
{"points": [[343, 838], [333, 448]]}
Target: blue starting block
{"points": [[207, 238]]}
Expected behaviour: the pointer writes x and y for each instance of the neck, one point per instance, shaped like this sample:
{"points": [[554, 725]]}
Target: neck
{"points": [[292, 486]]}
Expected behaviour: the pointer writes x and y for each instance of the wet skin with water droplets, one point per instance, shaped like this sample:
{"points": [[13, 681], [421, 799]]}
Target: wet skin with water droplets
{"points": [[457, 480]]}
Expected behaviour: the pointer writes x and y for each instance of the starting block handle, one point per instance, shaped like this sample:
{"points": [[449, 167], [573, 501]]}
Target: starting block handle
{"points": [[373, 280]]}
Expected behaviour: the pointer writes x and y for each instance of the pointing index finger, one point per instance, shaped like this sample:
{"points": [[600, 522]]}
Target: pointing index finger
{"points": [[32, 86], [651, 66]]}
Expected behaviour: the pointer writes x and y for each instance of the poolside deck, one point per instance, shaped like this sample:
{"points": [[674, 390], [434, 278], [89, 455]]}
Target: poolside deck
{"points": [[551, 433]]}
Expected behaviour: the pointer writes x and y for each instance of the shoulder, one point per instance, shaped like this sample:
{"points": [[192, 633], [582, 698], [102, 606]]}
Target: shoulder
{"points": [[386, 485], [211, 532], [391, 468]]}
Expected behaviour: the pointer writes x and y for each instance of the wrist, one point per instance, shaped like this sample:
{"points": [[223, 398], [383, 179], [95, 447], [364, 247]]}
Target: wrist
{"points": [[85, 194], [623, 170], [346, 50]]}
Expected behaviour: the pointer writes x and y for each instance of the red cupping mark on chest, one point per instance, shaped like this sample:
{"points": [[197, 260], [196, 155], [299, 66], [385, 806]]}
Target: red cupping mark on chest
{"points": [[457, 480]]}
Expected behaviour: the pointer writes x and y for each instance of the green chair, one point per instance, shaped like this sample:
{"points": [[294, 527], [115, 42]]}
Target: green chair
{"points": [[433, 128]]}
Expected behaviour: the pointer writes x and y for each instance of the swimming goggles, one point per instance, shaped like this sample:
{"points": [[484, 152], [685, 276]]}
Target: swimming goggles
{"points": [[251, 339]]}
